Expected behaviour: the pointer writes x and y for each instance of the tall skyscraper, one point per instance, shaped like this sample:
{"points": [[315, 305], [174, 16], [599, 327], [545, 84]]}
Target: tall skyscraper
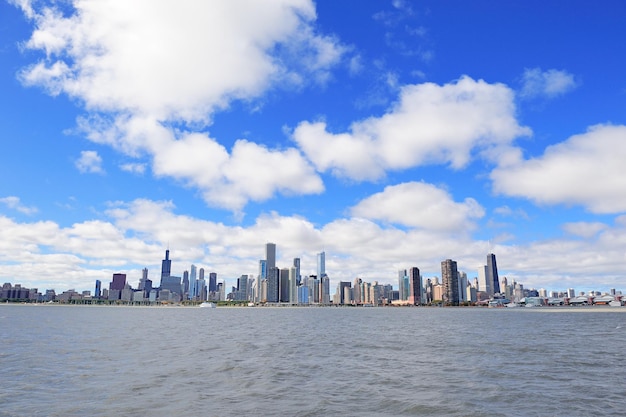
{"points": [[118, 283], [283, 284], [450, 278], [484, 284], [98, 291], [166, 266], [212, 282], [270, 255], [193, 283], [321, 265], [296, 264], [415, 286], [273, 285], [492, 273]]}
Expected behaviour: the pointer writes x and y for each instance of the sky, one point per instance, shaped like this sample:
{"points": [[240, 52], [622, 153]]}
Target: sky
{"points": [[388, 134]]}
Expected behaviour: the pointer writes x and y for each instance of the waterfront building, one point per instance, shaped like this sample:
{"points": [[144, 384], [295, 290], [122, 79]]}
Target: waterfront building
{"points": [[270, 255], [118, 282], [273, 285], [484, 285], [415, 286], [212, 282], [462, 286], [357, 291], [166, 266], [450, 279], [284, 286], [492, 273], [321, 265], [193, 284], [340, 293], [174, 287], [98, 291], [293, 285], [296, 264], [185, 284]]}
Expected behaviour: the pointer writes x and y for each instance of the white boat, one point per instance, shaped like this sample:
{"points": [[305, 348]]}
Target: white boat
{"points": [[207, 305]]}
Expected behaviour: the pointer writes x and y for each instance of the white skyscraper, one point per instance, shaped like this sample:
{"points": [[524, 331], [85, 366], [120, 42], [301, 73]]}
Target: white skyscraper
{"points": [[483, 283]]}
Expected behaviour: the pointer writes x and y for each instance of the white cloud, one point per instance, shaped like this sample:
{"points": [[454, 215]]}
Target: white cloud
{"points": [[430, 124], [135, 168], [421, 205], [89, 162], [138, 66], [171, 60], [584, 229], [138, 232], [14, 203], [549, 84], [586, 170], [228, 180]]}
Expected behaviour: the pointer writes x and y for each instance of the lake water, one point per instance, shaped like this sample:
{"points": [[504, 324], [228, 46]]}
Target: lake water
{"points": [[167, 361]]}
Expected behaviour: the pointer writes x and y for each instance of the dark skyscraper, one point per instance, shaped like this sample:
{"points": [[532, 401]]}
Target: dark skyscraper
{"points": [[450, 278], [415, 286], [98, 291], [492, 273], [212, 282], [166, 265], [118, 283], [270, 255]]}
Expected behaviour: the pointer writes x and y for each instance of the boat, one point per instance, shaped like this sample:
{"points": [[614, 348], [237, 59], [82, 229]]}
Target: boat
{"points": [[207, 305]]}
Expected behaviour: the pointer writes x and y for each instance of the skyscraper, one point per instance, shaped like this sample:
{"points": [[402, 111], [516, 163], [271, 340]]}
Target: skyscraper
{"points": [[415, 286], [212, 282], [166, 266], [450, 278], [270, 255], [321, 265], [484, 284], [296, 264], [492, 273], [118, 283]]}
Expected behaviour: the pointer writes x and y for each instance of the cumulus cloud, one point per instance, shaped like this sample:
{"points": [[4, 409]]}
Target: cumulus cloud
{"points": [[549, 84], [421, 205], [135, 168], [584, 229], [89, 162], [586, 170], [429, 124], [14, 203], [137, 67], [171, 60]]}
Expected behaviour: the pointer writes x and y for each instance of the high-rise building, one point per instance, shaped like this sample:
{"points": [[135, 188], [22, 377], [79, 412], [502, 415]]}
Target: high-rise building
{"points": [[293, 285], [321, 265], [212, 282], [273, 285], [166, 265], [284, 291], [270, 255], [450, 278], [296, 264], [492, 273], [484, 284], [193, 283], [118, 283], [98, 292], [415, 286], [401, 283], [357, 291]]}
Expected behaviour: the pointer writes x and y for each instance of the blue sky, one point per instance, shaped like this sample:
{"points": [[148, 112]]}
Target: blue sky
{"points": [[389, 134]]}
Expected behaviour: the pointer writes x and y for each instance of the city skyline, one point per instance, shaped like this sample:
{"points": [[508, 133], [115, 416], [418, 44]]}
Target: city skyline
{"points": [[386, 136]]}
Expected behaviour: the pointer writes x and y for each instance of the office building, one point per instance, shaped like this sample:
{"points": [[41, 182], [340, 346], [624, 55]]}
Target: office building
{"points": [[450, 278], [492, 273], [415, 286]]}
